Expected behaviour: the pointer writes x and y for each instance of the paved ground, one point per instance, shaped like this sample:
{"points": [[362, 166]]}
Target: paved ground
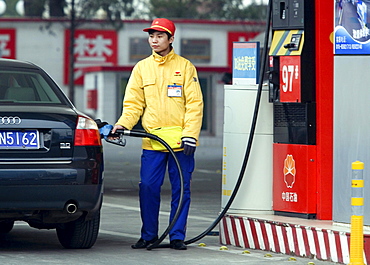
{"points": [[120, 223]]}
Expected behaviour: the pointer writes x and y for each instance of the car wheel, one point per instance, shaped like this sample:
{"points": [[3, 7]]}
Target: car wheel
{"points": [[79, 233], [6, 226]]}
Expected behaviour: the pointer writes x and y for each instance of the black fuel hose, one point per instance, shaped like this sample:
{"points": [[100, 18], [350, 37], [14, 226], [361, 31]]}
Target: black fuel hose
{"points": [[142, 134], [251, 135]]}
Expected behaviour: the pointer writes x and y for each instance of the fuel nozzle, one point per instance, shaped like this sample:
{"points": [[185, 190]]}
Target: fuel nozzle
{"points": [[116, 139], [105, 131]]}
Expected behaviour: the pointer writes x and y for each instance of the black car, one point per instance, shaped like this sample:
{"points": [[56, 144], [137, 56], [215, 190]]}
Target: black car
{"points": [[51, 158]]}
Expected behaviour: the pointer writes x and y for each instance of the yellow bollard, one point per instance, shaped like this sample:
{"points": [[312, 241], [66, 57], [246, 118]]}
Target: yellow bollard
{"points": [[357, 219]]}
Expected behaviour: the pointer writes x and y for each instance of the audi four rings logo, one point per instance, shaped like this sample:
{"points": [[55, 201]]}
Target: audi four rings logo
{"points": [[5, 120]]}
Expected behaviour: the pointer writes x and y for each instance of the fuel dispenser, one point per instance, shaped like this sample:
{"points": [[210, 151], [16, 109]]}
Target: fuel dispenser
{"points": [[292, 92]]}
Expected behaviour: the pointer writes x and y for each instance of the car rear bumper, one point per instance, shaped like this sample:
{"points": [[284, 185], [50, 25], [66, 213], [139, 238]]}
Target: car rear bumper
{"points": [[47, 203], [48, 175], [39, 190]]}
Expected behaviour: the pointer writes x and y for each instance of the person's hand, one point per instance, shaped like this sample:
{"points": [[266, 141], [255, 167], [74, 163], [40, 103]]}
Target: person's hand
{"points": [[115, 128], [189, 144]]}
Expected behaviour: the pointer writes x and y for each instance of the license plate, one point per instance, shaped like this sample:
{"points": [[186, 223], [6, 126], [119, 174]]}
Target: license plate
{"points": [[28, 139]]}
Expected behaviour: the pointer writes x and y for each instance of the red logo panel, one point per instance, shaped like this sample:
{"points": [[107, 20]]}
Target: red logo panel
{"points": [[294, 178]]}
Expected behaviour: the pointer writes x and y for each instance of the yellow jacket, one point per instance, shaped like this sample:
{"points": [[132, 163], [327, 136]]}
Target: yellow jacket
{"points": [[147, 91]]}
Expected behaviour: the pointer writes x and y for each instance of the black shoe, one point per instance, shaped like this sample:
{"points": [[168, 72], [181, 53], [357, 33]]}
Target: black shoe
{"points": [[178, 244], [142, 243]]}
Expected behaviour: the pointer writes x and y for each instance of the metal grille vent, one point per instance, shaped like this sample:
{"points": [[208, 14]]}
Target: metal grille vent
{"points": [[290, 115]]}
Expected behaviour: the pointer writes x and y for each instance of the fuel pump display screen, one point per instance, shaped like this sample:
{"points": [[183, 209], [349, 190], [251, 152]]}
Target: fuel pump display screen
{"points": [[296, 10], [288, 14]]}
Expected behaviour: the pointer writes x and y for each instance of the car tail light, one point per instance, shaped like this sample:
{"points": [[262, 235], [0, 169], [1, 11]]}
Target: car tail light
{"points": [[87, 132]]}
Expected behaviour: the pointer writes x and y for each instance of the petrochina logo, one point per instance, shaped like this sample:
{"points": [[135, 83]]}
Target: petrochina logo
{"points": [[289, 171]]}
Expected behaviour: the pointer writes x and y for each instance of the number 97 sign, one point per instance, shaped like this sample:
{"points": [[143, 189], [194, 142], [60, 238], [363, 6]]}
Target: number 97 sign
{"points": [[290, 79]]}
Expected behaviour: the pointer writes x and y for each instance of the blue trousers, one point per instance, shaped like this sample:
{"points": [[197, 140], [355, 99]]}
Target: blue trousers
{"points": [[152, 173]]}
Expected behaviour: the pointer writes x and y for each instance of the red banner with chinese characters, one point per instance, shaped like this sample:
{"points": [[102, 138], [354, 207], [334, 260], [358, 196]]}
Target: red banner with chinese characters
{"points": [[91, 48], [7, 43]]}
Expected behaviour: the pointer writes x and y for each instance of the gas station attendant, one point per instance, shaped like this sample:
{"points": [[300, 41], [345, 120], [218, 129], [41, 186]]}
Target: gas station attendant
{"points": [[164, 91]]}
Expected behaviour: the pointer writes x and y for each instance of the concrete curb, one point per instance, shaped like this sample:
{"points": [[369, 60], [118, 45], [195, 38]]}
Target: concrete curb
{"points": [[290, 239]]}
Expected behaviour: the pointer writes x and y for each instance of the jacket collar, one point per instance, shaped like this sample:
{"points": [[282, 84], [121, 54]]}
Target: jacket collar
{"points": [[162, 59]]}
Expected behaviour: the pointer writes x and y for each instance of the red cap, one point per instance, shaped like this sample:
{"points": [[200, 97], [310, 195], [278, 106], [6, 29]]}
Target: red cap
{"points": [[162, 24]]}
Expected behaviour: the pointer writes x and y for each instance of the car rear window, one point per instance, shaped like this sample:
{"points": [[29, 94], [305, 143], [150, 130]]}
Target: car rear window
{"points": [[27, 87]]}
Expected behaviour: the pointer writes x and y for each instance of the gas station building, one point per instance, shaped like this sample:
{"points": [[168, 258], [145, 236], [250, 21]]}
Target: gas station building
{"points": [[105, 57]]}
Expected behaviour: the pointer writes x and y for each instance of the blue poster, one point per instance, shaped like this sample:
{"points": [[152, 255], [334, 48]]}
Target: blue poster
{"points": [[351, 33], [245, 63]]}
